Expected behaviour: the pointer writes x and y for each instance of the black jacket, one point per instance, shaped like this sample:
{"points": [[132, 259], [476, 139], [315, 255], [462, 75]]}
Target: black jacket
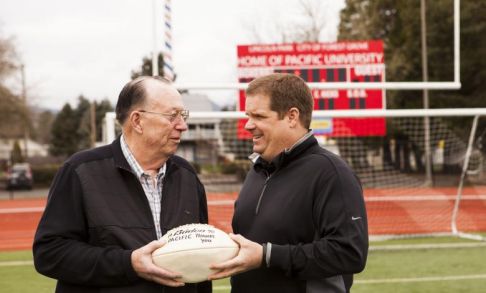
{"points": [[309, 204], [97, 214]]}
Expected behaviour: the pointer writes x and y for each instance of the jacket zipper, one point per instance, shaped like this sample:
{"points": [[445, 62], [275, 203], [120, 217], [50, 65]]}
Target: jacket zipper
{"points": [[261, 194]]}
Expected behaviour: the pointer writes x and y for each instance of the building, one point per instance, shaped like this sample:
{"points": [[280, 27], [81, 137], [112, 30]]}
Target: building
{"points": [[203, 141]]}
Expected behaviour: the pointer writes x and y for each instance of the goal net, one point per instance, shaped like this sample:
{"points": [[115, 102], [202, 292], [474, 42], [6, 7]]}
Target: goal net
{"points": [[402, 199], [406, 193]]}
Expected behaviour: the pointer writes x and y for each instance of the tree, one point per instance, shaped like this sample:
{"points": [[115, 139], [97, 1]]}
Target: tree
{"points": [[43, 126], [8, 58], [64, 138], [101, 109], [16, 154], [82, 116], [71, 129], [397, 23], [13, 113], [146, 67], [306, 25]]}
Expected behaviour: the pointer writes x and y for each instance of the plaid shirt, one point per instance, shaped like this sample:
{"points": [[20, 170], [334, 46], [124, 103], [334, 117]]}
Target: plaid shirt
{"points": [[153, 192]]}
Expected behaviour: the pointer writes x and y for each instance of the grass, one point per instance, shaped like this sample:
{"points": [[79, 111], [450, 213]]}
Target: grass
{"points": [[413, 270], [22, 278], [434, 264]]}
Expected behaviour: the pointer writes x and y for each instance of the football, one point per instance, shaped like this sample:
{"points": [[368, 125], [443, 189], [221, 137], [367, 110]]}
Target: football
{"points": [[191, 249]]}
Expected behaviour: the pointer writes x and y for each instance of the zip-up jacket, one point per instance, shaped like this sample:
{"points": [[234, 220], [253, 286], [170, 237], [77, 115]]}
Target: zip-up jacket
{"points": [[97, 214], [308, 204]]}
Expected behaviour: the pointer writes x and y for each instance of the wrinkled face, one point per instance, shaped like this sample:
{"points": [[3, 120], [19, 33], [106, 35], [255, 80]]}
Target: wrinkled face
{"points": [[160, 134], [270, 134]]}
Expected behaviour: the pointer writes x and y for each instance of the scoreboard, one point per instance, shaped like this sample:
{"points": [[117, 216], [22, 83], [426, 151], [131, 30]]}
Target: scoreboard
{"points": [[359, 61]]}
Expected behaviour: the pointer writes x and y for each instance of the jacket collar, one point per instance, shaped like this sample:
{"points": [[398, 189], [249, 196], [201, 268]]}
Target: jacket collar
{"points": [[118, 157], [121, 161], [302, 145]]}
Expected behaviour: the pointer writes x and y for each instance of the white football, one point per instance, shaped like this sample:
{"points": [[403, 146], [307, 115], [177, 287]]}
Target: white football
{"points": [[191, 249]]}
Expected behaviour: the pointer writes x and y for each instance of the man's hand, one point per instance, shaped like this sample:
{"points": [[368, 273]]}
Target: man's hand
{"points": [[249, 257], [145, 268]]}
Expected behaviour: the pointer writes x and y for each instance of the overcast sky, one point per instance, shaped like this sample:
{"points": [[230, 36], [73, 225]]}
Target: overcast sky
{"points": [[89, 47]]}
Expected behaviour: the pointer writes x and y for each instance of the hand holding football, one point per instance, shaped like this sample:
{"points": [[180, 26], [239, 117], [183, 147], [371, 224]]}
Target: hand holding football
{"points": [[190, 249]]}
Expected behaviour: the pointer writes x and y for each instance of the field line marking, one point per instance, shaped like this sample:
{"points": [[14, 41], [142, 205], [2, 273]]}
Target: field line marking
{"points": [[427, 246], [422, 279], [372, 281], [16, 263], [398, 280]]}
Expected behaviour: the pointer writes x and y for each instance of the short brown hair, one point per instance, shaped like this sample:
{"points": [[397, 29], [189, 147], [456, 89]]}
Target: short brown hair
{"points": [[285, 91]]}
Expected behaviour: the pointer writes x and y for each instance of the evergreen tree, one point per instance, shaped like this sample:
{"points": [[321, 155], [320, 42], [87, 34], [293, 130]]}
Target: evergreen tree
{"points": [[397, 23], [83, 121], [16, 154], [101, 109], [64, 134], [146, 68]]}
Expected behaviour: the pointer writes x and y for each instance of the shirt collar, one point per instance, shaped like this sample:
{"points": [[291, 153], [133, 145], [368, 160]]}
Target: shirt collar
{"points": [[297, 143], [134, 165], [254, 156]]}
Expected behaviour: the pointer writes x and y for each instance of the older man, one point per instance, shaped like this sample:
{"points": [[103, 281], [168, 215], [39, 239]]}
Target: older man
{"points": [[108, 206]]}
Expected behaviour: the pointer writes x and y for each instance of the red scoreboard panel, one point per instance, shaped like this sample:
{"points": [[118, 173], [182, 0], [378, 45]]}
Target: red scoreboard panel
{"points": [[361, 61]]}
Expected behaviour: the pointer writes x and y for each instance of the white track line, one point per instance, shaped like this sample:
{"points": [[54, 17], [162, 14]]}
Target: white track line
{"points": [[224, 202], [21, 210], [230, 202]]}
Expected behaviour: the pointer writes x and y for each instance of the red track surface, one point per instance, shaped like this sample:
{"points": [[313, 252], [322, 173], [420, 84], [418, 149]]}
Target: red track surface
{"points": [[390, 211]]}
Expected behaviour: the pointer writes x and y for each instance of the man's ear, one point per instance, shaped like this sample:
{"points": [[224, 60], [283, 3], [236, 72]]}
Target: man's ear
{"points": [[293, 116], [135, 122]]}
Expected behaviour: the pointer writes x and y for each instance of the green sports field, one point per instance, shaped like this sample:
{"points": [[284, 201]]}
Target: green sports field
{"points": [[412, 265]]}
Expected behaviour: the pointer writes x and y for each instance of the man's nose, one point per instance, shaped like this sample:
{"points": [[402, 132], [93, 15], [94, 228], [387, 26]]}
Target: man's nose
{"points": [[249, 124], [181, 125]]}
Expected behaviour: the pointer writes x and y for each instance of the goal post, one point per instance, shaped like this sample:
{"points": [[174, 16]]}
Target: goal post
{"points": [[386, 85], [390, 165]]}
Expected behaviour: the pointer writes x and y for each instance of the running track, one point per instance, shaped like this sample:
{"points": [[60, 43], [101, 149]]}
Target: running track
{"points": [[390, 212]]}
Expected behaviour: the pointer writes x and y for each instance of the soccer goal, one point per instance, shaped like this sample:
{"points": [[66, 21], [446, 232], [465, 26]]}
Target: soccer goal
{"points": [[386, 149]]}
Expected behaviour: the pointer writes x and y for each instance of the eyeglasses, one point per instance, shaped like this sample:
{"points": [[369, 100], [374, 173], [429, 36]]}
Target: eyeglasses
{"points": [[184, 114]]}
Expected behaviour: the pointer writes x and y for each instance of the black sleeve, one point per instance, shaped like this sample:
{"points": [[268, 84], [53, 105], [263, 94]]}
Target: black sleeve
{"points": [[203, 287], [61, 245], [203, 203], [340, 245]]}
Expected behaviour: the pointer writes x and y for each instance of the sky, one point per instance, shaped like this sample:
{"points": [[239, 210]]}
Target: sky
{"points": [[90, 47]]}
